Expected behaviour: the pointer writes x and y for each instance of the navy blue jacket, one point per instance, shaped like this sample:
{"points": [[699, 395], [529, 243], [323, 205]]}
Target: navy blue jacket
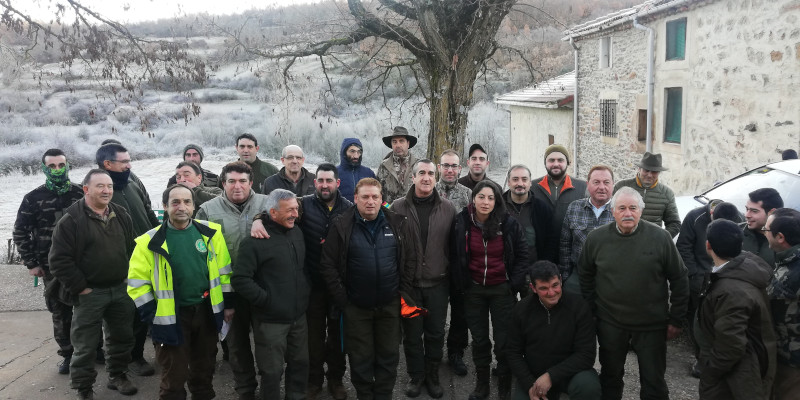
{"points": [[350, 173]]}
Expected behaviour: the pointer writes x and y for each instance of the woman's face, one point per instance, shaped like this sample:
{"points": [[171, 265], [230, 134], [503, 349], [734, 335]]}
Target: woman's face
{"points": [[484, 202]]}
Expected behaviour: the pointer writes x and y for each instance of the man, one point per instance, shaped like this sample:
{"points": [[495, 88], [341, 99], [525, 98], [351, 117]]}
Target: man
{"points": [[317, 212], [535, 215], [460, 195], [659, 201], [350, 169], [366, 245], [293, 176], [33, 230], [179, 279], [761, 202], [247, 148], [582, 217], [131, 194], [194, 153], [190, 175], [558, 188], [625, 269], [270, 275], [430, 220], [89, 256], [394, 173], [737, 341], [477, 163], [234, 211], [783, 232], [551, 341]]}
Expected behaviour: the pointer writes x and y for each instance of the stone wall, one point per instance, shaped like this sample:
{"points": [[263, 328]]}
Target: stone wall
{"points": [[530, 128]]}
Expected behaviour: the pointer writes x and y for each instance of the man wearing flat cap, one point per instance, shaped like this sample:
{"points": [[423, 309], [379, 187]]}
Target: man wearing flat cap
{"points": [[194, 153], [659, 200], [395, 173]]}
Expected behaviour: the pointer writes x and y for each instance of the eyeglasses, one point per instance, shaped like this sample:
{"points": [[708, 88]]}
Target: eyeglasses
{"points": [[764, 229], [292, 158], [121, 161], [450, 166]]}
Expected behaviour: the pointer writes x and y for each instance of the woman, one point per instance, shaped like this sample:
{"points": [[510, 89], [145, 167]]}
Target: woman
{"points": [[491, 260]]}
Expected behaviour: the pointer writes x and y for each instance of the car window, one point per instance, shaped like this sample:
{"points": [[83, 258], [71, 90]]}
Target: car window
{"points": [[735, 191]]}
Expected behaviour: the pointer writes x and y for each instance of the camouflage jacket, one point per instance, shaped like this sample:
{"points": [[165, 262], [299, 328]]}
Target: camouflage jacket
{"points": [[36, 219], [394, 187], [784, 295], [458, 194]]}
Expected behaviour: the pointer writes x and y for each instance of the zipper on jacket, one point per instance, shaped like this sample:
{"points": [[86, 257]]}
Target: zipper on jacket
{"points": [[485, 260]]}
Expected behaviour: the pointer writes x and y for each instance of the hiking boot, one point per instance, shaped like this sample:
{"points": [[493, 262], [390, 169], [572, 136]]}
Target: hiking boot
{"points": [[504, 387], [337, 390], [85, 395], [414, 387], [696, 370], [432, 379], [456, 361], [141, 367], [63, 366], [313, 391], [122, 385], [481, 384], [100, 357]]}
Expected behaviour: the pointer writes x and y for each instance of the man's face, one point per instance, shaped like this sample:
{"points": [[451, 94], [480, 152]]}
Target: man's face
{"points": [[247, 150], [368, 201], [549, 292], [186, 174], [400, 146], [556, 165], [755, 215], [424, 179], [193, 156], [353, 154], [120, 163], [774, 244], [600, 186], [285, 214], [627, 213], [519, 181], [180, 206], [99, 190], [55, 162], [648, 177], [484, 202], [449, 169], [477, 163], [237, 186], [326, 185], [293, 160]]}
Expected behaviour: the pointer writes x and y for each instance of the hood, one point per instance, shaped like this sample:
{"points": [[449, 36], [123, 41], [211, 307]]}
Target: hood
{"points": [[749, 268], [347, 142]]}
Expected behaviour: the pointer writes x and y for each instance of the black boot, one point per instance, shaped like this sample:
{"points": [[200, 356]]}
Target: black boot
{"points": [[432, 379], [456, 361], [504, 387], [414, 386], [481, 384]]}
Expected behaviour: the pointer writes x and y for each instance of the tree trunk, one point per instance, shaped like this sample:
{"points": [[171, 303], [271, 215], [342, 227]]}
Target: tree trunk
{"points": [[450, 103]]}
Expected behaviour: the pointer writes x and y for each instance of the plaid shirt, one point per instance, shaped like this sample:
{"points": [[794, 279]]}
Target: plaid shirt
{"points": [[578, 222]]}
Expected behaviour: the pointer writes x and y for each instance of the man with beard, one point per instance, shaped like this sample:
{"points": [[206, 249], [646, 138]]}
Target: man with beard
{"points": [[659, 200], [293, 176], [194, 153], [247, 149], [394, 173], [350, 169], [478, 164], [535, 215], [131, 194], [760, 203], [558, 188]]}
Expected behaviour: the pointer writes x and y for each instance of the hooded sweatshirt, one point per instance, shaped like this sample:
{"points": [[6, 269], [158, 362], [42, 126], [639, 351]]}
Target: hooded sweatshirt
{"points": [[349, 172]]}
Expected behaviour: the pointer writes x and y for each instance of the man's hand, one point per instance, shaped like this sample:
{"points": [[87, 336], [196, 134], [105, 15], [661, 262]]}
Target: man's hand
{"points": [[227, 314], [36, 271], [540, 387], [673, 331], [86, 291], [258, 231]]}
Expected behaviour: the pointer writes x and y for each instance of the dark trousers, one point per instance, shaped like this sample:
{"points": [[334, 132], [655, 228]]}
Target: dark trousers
{"points": [[479, 302], [651, 352], [423, 338], [239, 351], [112, 310], [324, 340], [278, 345], [584, 385], [62, 318], [139, 337], [372, 342], [695, 287], [193, 361], [458, 334]]}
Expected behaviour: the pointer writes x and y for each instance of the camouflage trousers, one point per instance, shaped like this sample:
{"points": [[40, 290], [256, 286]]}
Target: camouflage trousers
{"points": [[62, 320]]}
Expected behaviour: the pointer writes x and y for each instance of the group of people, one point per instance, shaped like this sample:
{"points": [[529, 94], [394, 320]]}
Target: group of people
{"points": [[343, 266]]}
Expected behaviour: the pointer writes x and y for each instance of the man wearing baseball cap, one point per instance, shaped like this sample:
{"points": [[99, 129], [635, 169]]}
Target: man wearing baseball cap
{"points": [[659, 200], [394, 173], [477, 165], [194, 153]]}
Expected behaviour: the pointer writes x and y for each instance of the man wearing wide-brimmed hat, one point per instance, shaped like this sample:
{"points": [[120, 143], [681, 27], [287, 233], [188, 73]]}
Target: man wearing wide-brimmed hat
{"points": [[659, 200], [394, 173]]}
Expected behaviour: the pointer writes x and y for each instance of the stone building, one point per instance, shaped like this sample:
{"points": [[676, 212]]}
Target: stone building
{"points": [[725, 83]]}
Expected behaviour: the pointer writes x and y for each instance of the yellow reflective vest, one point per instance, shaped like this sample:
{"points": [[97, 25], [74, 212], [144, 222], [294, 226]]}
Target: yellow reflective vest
{"points": [[150, 282]]}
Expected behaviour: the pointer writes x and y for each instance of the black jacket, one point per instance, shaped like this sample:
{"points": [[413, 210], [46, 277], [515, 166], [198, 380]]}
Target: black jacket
{"points": [[542, 221], [315, 220]]}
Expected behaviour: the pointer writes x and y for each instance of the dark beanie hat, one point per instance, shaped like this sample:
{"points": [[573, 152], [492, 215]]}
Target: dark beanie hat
{"points": [[196, 147], [556, 148]]}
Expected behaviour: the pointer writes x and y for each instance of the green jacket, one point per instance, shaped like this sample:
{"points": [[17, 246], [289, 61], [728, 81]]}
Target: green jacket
{"points": [[236, 222], [203, 194], [659, 204], [136, 201], [261, 171]]}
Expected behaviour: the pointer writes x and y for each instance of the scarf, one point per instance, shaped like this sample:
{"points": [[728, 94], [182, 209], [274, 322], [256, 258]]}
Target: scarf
{"points": [[57, 180], [120, 179]]}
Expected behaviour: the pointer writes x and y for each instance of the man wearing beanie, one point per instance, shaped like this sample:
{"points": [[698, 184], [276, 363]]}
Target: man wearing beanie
{"points": [[194, 153], [659, 200], [477, 165], [558, 189], [394, 173]]}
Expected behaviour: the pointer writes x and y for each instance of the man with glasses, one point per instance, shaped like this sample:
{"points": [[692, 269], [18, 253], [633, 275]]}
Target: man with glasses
{"points": [[478, 164], [293, 176], [659, 200]]}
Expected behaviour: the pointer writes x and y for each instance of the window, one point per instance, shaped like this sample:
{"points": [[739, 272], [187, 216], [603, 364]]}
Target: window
{"points": [[672, 121], [605, 52], [676, 39], [608, 118]]}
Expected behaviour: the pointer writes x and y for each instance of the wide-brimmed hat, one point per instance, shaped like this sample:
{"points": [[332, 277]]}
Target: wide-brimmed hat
{"points": [[400, 131], [651, 162]]}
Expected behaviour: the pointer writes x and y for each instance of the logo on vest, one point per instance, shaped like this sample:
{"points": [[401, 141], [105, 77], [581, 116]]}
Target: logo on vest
{"points": [[200, 245]]}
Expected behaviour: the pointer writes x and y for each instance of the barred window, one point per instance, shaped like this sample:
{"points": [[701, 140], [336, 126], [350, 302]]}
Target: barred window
{"points": [[608, 118]]}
